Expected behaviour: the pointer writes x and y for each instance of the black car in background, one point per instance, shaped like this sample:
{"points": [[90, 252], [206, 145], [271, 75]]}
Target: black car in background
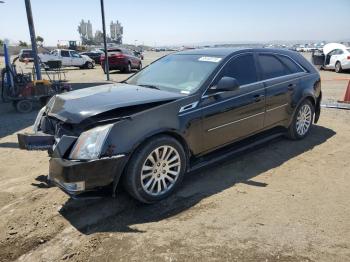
{"points": [[96, 56], [26, 55], [180, 113]]}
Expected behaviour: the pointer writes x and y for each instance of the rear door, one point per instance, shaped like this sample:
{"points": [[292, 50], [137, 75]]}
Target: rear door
{"points": [[66, 59], [134, 60], [280, 75], [336, 56], [232, 115]]}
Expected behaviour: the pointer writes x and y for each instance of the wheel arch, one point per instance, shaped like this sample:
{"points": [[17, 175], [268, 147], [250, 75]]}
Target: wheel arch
{"points": [[166, 132], [306, 96]]}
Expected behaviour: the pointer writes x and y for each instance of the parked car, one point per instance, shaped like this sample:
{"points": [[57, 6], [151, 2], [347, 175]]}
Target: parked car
{"points": [[26, 55], [68, 58], [121, 59], [180, 113], [334, 56], [94, 56]]}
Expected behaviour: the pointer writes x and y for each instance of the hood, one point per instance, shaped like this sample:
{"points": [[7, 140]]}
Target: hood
{"points": [[331, 46], [87, 58], [76, 106]]}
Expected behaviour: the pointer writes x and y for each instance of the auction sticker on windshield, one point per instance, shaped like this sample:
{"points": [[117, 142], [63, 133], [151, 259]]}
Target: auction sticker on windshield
{"points": [[210, 59]]}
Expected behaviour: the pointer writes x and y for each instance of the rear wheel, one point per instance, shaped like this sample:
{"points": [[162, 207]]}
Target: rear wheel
{"points": [[302, 121], [338, 68], [89, 65], [156, 169], [24, 106], [140, 66]]}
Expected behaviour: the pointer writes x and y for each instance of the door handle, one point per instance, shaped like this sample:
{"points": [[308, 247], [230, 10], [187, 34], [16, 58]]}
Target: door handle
{"points": [[258, 98], [291, 86]]}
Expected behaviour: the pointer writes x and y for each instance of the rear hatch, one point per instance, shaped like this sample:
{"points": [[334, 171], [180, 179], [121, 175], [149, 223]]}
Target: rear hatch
{"points": [[115, 56]]}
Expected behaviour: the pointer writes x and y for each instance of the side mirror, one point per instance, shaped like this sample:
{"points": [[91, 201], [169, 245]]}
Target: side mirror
{"points": [[226, 84]]}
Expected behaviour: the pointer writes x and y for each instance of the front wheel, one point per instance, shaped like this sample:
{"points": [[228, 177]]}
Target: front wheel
{"points": [[24, 106], [89, 65], [156, 169], [128, 68], [302, 121]]}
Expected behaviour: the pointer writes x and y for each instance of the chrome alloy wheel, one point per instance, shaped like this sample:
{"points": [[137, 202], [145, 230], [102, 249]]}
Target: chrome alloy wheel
{"points": [[160, 170], [304, 118]]}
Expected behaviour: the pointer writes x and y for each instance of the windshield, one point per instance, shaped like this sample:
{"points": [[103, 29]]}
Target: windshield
{"points": [[176, 73]]}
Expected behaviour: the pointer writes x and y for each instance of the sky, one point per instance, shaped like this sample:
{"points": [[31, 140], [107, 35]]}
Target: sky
{"points": [[183, 22]]}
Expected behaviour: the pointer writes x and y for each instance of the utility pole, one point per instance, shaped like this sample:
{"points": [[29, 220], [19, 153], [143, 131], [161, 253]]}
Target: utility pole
{"points": [[32, 38], [105, 39]]}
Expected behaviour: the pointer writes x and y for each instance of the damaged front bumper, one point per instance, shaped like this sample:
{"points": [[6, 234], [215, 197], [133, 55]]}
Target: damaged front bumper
{"points": [[74, 176], [37, 141]]}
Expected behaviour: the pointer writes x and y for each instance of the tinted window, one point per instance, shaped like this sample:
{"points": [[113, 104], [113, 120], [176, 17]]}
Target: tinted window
{"points": [[272, 67], [332, 53], [292, 66], [242, 68], [339, 52], [74, 54], [64, 53]]}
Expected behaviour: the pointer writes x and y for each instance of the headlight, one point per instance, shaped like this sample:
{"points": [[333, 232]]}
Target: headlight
{"points": [[89, 144], [38, 119]]}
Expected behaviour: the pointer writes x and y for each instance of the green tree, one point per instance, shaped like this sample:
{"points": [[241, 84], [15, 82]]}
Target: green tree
{"points": [[39, 40], [22, 43], [1, 42]]}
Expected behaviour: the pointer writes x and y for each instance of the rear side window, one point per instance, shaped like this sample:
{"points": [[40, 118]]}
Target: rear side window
{"points": [[272, 67], [339, 52], [290, 64], [242, 68]]}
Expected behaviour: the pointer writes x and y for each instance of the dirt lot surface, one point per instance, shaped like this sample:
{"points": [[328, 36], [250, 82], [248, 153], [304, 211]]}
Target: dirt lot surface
{"points": [[285, 201]]}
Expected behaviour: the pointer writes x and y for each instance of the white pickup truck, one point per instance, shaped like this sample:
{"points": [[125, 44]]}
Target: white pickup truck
{"points": [[68, 58]]}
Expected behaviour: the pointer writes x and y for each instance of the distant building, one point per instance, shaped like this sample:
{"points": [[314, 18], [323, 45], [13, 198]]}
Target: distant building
{"points": [[98, 39], [87, 37], [116, 31], [85, 31]]}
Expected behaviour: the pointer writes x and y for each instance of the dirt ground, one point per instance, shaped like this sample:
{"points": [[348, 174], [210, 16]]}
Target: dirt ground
{"points": [[284, 201]]}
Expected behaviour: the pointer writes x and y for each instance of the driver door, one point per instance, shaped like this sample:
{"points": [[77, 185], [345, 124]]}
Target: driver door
{"points": [[77, 59], [231, 115]]}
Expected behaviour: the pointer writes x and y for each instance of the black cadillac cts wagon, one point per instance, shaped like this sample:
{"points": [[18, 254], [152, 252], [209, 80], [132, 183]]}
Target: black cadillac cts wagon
{"points": [[181, 112]]}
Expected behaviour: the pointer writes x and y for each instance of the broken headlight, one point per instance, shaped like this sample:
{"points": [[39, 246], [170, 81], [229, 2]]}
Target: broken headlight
{"points": [[90, 143]]}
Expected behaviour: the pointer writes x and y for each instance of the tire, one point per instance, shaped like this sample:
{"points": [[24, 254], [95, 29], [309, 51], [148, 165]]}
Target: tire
{"points": [[338, 68], [128, 68], [89, 65], [140, 66], [302, 121], [24, 106], [144, 179]]}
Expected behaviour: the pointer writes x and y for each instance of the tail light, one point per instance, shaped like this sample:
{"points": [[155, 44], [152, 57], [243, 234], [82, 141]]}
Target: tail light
{"points": [[118, 55], [348, 57]]}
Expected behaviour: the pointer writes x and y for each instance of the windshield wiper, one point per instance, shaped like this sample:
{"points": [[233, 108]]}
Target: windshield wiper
{"points": [[150, 86]]}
